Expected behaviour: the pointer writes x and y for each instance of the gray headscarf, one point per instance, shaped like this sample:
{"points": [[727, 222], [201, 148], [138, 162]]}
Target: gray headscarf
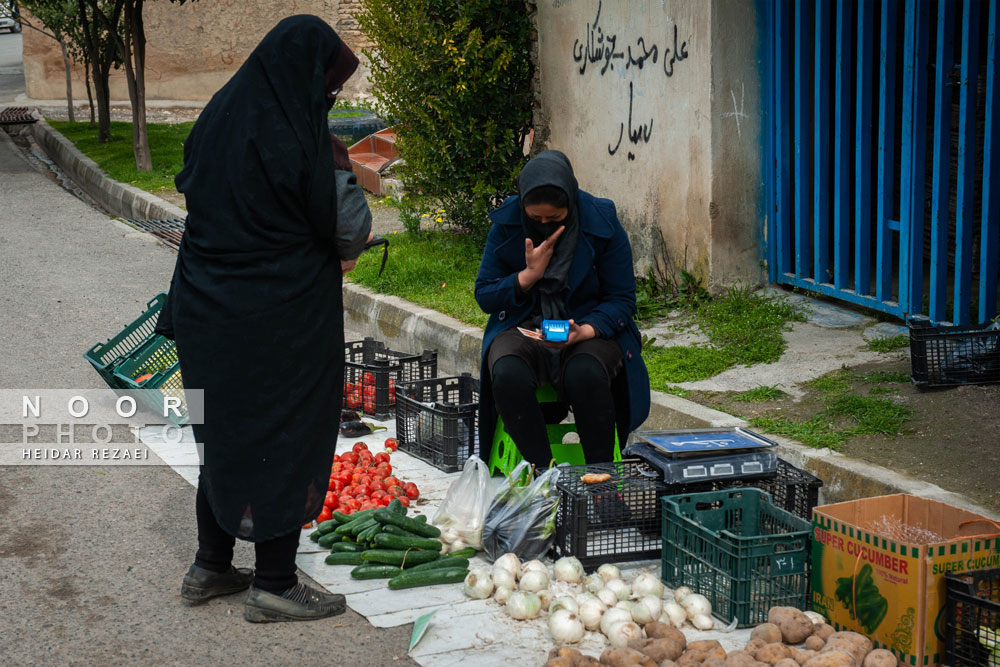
{"points": [[552, 168]]}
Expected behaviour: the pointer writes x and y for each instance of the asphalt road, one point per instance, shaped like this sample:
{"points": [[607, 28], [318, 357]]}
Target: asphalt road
{"points": [[91, 558]]}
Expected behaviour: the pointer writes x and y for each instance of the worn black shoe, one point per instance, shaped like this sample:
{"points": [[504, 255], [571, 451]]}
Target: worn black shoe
{"points": [[301, 603], [201, 585]]}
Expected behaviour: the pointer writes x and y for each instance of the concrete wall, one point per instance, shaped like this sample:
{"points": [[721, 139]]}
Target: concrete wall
{"points": [[193, 48], [640, 96]]}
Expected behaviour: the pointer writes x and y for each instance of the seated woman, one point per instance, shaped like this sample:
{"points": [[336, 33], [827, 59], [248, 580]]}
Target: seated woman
{"points": [[557, 253]]}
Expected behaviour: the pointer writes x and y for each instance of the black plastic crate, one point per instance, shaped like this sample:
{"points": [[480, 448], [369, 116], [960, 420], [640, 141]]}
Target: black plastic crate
{"points": [[437, 420], [950, 356], [792, 489], [609, 522], [972, 600], [372, 372]]}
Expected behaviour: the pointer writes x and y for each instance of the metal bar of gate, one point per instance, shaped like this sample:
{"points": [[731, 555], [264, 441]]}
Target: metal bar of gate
{"points": [[821, 145], [803, 38], [886, 152], [989, 241], [769, 130], [782, 81], [863, 146], [942, 160], [966, 158], [842, 149]]}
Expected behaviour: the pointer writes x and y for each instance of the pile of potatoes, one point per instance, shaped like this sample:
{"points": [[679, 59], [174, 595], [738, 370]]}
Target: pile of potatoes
{"points": [[790, 638]]}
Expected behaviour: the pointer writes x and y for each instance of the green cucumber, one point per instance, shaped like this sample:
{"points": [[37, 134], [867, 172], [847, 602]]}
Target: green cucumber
{"points": [[399, 558], [406, 523], [327, 527], [326, 541], [375, 572], [346, 528], [363, 526], [387, 541], [422, 518], [396, 530], [345, 547], [396, 506], [467, 552], [447, 561], [366, 536], [344, 558], [411, 579], [314, 535]]}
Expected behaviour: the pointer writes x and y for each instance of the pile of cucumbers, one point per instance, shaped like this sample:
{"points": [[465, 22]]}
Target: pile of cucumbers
{"points": [[386, 544]]}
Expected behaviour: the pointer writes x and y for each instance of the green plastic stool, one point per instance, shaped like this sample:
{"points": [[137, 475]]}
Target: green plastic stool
{"points": [[505, 456]]}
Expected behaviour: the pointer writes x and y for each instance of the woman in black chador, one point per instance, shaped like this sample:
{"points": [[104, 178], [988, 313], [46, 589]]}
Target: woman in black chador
{"points": [[274, 217]]}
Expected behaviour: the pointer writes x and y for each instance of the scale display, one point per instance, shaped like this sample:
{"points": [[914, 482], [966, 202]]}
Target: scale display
{"points": [[699, 455]]}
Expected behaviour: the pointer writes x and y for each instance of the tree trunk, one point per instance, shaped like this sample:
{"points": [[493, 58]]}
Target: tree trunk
{"points": [[135, 48], [103, 93], [87, 75], [69, 81]]}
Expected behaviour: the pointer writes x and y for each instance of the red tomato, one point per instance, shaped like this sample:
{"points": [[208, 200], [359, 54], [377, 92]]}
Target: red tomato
{"points": [[385, 500], [333, 484], [331, 498], [336, 458], [404, 501], [359, 447], [325, 515], [344, 478], [397, 491], [338, 486], [350, 457], [387, 468], [361, 490], [377, 485], [369, 506], [412, 492], [377, 494], [391, 444], [382, 457], [391, 482]]}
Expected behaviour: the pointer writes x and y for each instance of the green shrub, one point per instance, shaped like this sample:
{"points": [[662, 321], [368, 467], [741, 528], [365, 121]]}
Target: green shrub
{"points": [[455, 79]]}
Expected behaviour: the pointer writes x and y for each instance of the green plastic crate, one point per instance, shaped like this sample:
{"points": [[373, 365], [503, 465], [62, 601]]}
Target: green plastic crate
{"points": [[105, 357], [738, 550], [158, 358]]}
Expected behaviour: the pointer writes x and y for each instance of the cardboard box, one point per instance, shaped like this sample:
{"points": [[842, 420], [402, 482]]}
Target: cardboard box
{"points": [[891, 590]]}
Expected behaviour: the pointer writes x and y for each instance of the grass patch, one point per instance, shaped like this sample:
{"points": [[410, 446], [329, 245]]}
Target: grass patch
{"points": [[871, 414], [832, 384], [116, 157], [876, 377], [748, 326], [668, 365], [888, 344], [760, 394], [435, 269], [816, 432]]}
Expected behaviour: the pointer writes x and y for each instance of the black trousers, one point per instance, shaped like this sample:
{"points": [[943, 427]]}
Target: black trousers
{"points": [[582, 376], [274, 570]]}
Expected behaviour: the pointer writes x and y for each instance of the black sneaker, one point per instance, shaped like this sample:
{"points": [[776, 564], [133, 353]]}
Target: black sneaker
{"points": [[201, 585], [308, 604]]}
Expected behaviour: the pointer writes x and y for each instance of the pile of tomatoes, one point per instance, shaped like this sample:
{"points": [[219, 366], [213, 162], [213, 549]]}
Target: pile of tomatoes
{"points": [[361, 395], [360, 480]]}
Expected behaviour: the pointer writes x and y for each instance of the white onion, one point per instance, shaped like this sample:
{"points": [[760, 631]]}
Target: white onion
{"points": [[593, 583], [609, 572], [608, 597], [620, 634], [522, 605], [619, 588], [675, 613], [564, 602], [613, 616], [449, 535], [646, 609], [509, 562], [545, 595], [590, 612], [568, 569], [681, 593], [501, 594], [703, 622], [478, 585], [696, 604], [534, 581], [458, 545], [503, 578], [647, 584], [533, 566], [566, 627]]}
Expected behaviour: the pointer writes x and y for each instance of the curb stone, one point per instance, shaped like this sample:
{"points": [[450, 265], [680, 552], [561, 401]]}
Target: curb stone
{"points": [[405, 326]]}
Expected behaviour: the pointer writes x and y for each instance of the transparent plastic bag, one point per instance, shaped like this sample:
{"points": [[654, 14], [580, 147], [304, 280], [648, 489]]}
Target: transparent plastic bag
{"points": [[522, 519], [460, 516]]}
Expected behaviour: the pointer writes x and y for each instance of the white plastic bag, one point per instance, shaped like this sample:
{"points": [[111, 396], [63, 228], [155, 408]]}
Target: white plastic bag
{"points": [[460, 516]]}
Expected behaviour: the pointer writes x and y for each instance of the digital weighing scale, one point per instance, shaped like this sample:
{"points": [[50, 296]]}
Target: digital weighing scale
{"points": [[703, 455]]}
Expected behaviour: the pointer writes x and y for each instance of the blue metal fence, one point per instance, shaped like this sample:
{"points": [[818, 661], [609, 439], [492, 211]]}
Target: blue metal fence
{"points": [[882, 151]]}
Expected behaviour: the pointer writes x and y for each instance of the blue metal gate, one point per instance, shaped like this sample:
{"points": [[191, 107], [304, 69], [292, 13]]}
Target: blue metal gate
{"points": [[882, 153]]}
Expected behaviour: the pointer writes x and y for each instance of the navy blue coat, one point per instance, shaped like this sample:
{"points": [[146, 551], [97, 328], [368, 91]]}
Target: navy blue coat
{"points": [[601, 293]]}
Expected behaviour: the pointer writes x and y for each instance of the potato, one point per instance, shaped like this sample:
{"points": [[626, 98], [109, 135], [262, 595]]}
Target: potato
{"points": [[880, 658], [786, 662], [624, 657], [824, 631], [560, 662], [587, 661], [815, 643], [863, 642], [794, 625], [802, 657], [739, 659], [657, 630], [565, 652], [755, 645], [831, 659], [773, 653], [668, 663], [662, 649], [714, 662], [852, 643], [769, 633], [690, 659]]}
